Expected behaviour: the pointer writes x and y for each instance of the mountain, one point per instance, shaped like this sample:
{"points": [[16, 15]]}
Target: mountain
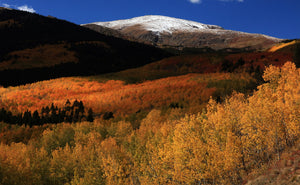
{"points": [[159, 24], [35, 47], [165, 31]]}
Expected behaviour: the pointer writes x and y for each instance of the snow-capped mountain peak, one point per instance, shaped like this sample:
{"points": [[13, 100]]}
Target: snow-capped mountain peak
{"points": [[163, 31], [158, 24]]}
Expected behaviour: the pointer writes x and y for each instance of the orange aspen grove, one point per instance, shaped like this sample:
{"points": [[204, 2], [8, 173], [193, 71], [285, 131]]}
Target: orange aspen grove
{"points": [[224, 143]]}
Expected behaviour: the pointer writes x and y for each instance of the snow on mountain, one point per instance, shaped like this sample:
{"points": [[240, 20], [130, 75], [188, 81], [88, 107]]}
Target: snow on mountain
{"points": [[163, 31], [159, 24]]}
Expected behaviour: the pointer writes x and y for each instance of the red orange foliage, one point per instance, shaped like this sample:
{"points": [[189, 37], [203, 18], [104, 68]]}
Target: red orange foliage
{"points": [[210, 63], [112, 96], [221, 145]]}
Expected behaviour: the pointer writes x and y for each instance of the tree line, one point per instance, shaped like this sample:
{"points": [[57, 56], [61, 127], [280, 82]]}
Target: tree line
{"points": [[70, 113]]}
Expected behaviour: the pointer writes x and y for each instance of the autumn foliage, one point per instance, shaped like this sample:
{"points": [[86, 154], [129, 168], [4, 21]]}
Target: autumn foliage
{"points": [[223, 144], [192, 91]]}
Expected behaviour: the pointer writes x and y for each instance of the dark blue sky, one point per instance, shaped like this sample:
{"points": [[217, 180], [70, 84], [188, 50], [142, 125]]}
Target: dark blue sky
{"points": [[278, 18]]}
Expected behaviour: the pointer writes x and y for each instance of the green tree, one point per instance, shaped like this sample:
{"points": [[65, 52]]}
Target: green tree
{"points": [[90, 116], [36, 118], [68, 105], [27, 118]]}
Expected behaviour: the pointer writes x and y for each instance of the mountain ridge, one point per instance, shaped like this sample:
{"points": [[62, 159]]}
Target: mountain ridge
{"points": [[158, 24], [35, 47], [163, 31]]}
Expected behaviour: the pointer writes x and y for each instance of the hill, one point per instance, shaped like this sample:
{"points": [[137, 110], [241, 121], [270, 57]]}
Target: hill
{"points": [[157, 81], [177, 33], [289, 46], [202, 117], [189, 92], [224, 144], [34, 47], [204, 63]]}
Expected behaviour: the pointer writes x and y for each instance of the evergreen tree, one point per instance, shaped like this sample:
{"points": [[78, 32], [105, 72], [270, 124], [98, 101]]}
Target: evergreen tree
{"points": [[46, 112], [69, 117], [54, 116], [27, 119], [108, 115], [61, 115], [52, 108], [2, 114], [36, 119], [68, 105], [81, 107], [76, 116], [69, 114], [8, 117], [75, 104], [90, 116], [19, 119]]}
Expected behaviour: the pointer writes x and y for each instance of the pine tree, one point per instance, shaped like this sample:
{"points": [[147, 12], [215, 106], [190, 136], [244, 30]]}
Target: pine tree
{"points": [[2, 114], [81, 107], [19, 119], [68, 105], [90, 116], [75, 104], [36, 118], [27, 118]]}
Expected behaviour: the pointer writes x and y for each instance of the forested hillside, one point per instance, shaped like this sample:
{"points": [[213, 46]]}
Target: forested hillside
{"points": [[79, 107], [226, 143], [190, 92], [35, 48]]}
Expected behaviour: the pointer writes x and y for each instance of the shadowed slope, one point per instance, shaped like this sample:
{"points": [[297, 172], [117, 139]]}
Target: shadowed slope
{"points": [[35, 47]]}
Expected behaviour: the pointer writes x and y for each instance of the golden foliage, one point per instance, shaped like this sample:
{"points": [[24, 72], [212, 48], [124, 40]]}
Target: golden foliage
{"points": [[280, 46], [113, 96], [221, 145]]}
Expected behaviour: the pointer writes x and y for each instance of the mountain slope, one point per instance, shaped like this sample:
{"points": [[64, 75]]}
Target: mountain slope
{"points": [[159, 24], [34, 47], [283, 171], [178, 33]]}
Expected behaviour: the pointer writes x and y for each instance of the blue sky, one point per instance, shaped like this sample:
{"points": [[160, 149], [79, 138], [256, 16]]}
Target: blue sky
{"points": [[278, 18]]}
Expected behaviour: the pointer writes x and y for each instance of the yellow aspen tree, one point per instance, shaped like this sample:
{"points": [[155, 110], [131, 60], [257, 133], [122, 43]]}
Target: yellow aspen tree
{"points": [[156, 166], [116, 163], [234, 165], [214, 140], [189, 152], [88, 162], [272, 118], [150, 150], [262, 135], [40, 162], [288, 101], [15, 164], [62, 165], [223, 130]]}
